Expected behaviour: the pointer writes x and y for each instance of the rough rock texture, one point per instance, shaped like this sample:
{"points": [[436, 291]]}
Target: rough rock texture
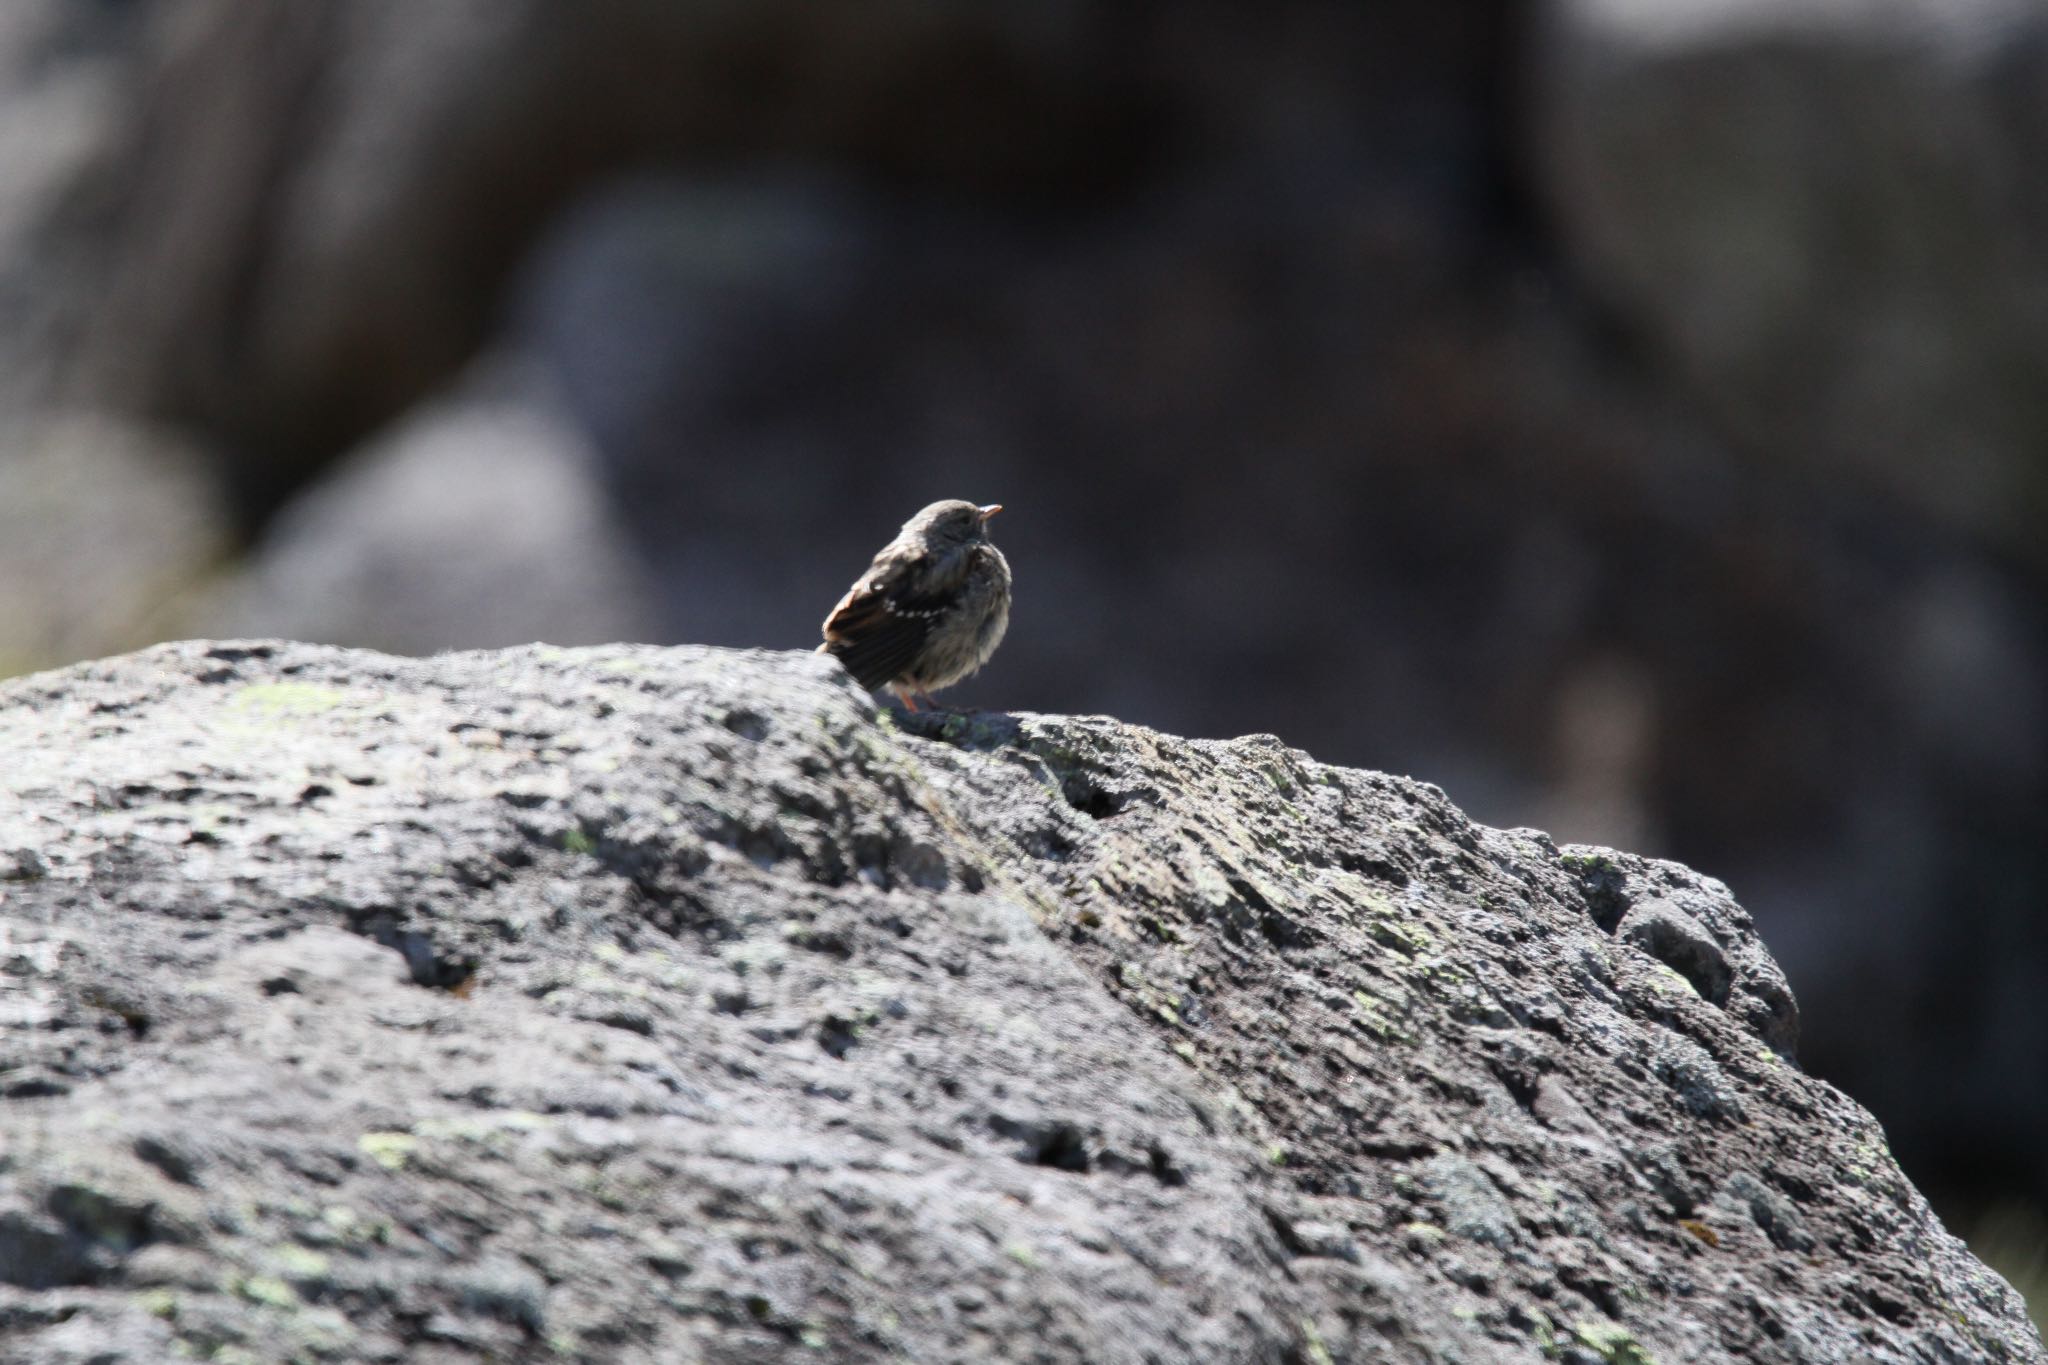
{"points": [[666, 1004], [1566, 341]]}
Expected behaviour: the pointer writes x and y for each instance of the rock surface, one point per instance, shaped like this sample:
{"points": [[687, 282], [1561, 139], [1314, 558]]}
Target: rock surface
{"points": [[1570, 342], [647, 1004]]}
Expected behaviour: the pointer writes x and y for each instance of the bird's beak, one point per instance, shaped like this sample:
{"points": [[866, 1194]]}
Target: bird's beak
{"points": [[982, 514]]}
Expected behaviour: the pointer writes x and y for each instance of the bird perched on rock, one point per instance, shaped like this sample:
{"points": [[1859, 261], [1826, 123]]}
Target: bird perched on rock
{"points": [[931, 608]]}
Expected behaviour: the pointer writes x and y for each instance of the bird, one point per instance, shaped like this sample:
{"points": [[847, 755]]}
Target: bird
{"points": [[930, 610]]}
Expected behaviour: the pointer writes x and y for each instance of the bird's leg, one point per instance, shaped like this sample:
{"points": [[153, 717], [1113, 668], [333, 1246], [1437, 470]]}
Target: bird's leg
{"points": [[903, 695]]}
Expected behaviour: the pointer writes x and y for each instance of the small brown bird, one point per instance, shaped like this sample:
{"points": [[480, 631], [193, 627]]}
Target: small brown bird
{"points": [[931, 608]]}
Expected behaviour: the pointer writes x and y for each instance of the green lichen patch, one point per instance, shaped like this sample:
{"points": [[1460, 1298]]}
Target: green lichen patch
{"points": [[391, 1150], [281, 700], [1612, 1342], [267, 1290]]}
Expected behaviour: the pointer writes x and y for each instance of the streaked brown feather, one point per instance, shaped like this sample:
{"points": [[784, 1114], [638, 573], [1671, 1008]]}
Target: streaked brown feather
{"points": [[929, 609], [874, 643], [876, 632]]}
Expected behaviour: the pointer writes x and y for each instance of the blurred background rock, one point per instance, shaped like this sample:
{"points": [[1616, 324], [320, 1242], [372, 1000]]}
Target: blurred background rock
{"points": [[1631, 415]]}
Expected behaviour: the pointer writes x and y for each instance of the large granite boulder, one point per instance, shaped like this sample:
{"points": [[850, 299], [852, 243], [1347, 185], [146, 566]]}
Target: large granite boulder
{"points": [[1224, 304], [644, 1004]]}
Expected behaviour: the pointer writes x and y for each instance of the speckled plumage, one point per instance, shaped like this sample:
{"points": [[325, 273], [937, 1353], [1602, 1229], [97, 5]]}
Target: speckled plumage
{"points": [[930, 609]]}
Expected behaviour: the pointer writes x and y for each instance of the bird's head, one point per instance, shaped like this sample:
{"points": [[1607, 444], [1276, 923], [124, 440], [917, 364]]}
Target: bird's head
{"points": [[953, 522]]}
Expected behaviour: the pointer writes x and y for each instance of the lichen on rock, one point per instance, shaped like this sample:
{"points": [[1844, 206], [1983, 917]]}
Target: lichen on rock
{"points": [[657, 1004]]}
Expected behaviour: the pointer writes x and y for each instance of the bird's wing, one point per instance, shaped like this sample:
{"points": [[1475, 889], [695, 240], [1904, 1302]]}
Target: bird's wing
{"points": [[878, 629]]}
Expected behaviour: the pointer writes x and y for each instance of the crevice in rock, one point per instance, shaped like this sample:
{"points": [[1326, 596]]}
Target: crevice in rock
{"points": [[1681, 944], [1369, 865], [837, 1036], [747, 724], [1601, 883], [427, 965], [1057, 1143], [1163, 1168], [1081, 792]]}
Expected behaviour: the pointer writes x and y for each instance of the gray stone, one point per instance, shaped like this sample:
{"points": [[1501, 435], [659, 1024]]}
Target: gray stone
{"points": [[1285, 269], [63, 114], [1828, 215], [105, 525], [478, 522], [385, 164], [659, 1004]]}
